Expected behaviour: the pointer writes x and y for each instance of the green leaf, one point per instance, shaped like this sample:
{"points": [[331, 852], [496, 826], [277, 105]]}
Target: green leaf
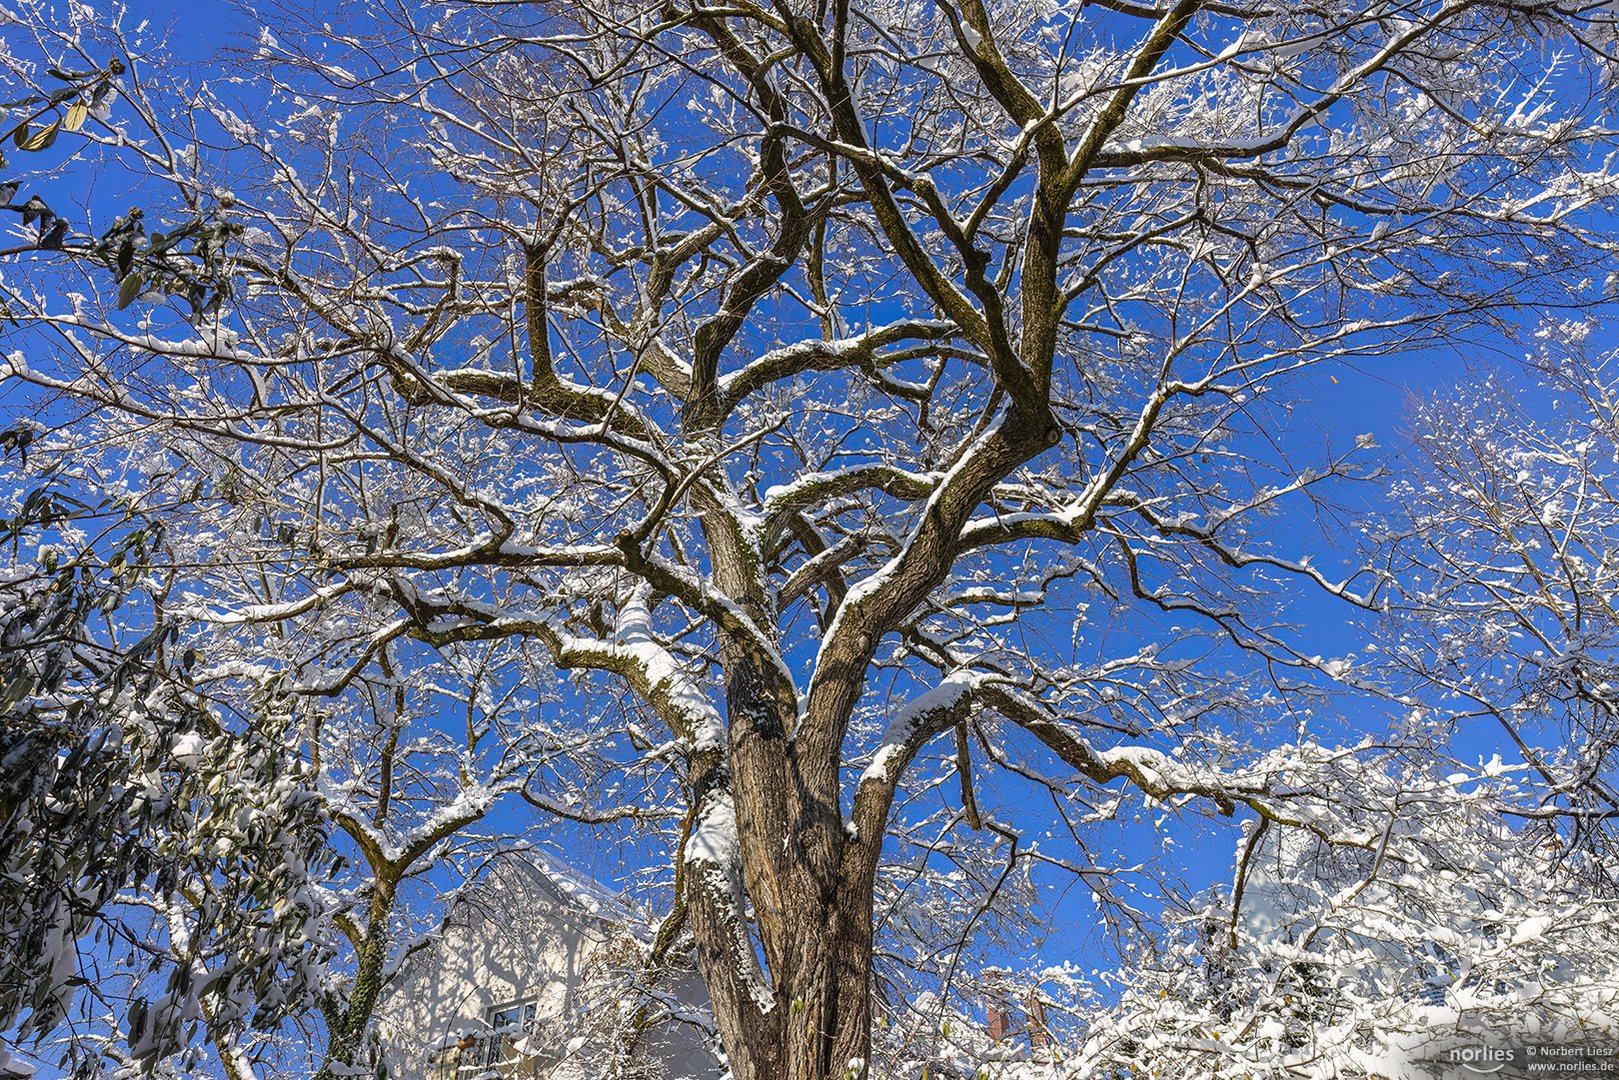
{"points": [[15, 689], [42, 139], [77, 113], [131, 287], [35, 210]]}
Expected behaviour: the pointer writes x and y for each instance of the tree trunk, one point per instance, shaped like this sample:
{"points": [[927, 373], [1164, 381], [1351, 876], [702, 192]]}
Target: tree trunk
{"points": [[345, 1042], [817, 1024], [827, 1029], [769, 835]]}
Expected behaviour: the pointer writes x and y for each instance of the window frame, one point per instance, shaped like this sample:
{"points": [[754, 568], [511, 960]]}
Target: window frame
{"points": [[520, 1014]]}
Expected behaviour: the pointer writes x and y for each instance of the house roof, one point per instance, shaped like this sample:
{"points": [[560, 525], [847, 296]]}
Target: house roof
{"points": [[574, 888]]}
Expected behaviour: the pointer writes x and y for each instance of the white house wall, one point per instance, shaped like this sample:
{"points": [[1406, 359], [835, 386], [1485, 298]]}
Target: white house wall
{"points": [[524, 937], [512, 941]]}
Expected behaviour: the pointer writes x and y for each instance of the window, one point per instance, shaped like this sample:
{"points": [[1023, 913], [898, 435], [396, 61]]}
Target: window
{"points": [[518, 1016], [507, 1024], [475, 1056]]}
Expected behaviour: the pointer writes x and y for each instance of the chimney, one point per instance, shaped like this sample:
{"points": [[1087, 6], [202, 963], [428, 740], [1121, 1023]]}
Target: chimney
{"points": [[1039, 1034], [997, 1014], [1000, 1021]]}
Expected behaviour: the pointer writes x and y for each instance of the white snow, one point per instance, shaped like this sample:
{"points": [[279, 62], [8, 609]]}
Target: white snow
{"points": [[905, 723], [188, 749], [714, 855], [668, 681]]}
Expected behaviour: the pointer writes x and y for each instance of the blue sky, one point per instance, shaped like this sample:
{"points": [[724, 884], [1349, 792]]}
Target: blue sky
{"points": [[1340, 403]]}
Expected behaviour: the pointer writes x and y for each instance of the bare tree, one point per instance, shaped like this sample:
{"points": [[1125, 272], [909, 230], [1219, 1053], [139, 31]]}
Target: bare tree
{"points": [[831, 380], [1506, 568], [1446, 929]]}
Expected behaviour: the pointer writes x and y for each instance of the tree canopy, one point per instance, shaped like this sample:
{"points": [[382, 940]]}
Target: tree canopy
{"points": [[861, 456]]}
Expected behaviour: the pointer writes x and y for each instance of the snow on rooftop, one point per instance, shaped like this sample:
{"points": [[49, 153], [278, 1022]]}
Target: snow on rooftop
{"points": [[589, 895]]}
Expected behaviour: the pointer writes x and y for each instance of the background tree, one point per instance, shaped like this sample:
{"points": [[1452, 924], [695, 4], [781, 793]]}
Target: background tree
{"points": [[1442, 928], [390, 796], [116, 781], [1506, 561], [184, 262], [117, 784], [875, 396]]}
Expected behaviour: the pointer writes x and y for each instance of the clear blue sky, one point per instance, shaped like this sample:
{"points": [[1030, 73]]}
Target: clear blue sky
{"points": [[1342, 402]]}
